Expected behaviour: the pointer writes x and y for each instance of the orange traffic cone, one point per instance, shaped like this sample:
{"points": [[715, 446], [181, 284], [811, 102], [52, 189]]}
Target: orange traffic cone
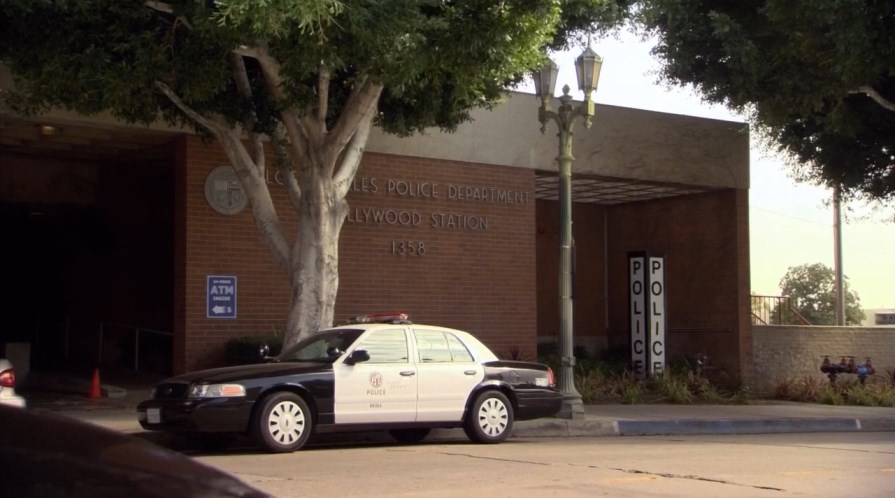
{"points": [[95, 391]]}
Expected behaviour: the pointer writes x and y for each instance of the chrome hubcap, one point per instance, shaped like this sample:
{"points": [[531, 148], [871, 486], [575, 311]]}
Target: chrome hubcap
{"points": [[493, 417], [286, 422]]}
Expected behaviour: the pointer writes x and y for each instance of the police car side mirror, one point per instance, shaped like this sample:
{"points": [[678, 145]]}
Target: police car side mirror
{"points": [[357, 356], [264, 353]]}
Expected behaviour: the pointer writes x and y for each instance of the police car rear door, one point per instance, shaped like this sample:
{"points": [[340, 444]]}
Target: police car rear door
{"points": [[447, 374]]}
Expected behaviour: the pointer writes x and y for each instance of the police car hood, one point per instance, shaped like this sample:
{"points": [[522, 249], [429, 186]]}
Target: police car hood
{"points": [[254, 371]]}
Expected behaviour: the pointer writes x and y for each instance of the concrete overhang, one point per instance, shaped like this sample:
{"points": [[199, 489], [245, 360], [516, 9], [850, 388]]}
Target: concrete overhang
{"points": [[627, 155]]}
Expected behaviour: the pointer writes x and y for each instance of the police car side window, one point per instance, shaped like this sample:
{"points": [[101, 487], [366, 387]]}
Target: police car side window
{"points": [[436, 346], [458, 349], [433, 346], [386, 346]]}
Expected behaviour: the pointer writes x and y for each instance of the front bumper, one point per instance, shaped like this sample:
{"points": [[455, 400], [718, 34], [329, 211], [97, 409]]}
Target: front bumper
{"points": [[12, 400], [537, 403], [195, 415]]}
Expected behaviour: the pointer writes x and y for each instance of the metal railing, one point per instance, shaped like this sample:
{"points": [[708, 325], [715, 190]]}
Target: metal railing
{"points": [[108, 336], [775, 310], [105, 326]]}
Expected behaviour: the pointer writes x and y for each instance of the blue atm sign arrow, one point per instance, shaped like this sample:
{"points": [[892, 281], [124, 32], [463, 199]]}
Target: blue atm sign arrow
{"points": [[220, 296]]}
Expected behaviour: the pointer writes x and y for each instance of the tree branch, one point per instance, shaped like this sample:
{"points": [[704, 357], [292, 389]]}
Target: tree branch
{"points": [[286, 165], [167, 9], [250, 120], [879, 99], [353, 154], [189, 111], [364, 99], [322, 95], [271, 69]]}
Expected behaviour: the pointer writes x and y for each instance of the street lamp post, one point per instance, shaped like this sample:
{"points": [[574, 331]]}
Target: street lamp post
{"points": [[587, 66]]}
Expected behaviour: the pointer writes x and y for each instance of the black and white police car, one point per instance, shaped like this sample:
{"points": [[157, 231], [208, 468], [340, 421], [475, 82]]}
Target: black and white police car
{"points": [[381, 372]]}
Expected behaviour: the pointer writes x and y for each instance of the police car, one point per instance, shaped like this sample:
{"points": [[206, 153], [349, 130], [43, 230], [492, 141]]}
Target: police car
{"points": [[380, 372]]}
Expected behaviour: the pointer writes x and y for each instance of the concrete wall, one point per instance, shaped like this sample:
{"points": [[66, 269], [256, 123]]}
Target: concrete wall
{"points": [[622, 143], [786, 352]]}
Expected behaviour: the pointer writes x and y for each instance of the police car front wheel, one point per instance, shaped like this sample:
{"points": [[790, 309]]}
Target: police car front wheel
{"points": [[284, 423], [491, 418]]}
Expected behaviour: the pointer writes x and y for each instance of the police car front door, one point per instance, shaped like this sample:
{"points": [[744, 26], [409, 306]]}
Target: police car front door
{"points": [[382, 389]]}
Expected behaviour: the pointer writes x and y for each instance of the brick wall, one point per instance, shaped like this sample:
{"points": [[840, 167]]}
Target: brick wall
{"points": [[589, 282], [475, 273], [704, 238], [789, 352]]}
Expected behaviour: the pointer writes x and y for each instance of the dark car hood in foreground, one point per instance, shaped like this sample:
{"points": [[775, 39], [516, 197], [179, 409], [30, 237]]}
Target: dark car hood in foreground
{"points": [[51, 455], [253, 371]]}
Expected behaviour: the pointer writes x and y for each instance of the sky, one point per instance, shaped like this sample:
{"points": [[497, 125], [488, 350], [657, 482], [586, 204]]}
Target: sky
{"points": [[790, 223]]}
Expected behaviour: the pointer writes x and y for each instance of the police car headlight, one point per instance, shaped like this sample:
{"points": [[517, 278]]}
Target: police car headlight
{"points": [[217, 391]]}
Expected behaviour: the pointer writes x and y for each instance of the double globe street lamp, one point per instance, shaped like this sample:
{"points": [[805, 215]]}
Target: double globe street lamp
{"points": [[587, 65]]}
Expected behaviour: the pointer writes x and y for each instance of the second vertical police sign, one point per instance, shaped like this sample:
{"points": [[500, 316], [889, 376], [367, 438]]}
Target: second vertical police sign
{"points": [[647, 306]]}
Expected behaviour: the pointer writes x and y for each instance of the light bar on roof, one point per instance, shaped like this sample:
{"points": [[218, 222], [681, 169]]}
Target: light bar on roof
{"points": [[386, 317]]}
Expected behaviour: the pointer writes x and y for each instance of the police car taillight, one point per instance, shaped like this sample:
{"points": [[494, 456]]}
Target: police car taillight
{"points": [[389, 317], [8, 378], [551, 380]]}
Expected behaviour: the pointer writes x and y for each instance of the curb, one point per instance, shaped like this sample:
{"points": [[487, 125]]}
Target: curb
{"points": [[596, 428]]}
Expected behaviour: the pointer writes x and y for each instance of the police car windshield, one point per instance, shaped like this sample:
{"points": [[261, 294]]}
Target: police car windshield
{"points": [[326, 346]]}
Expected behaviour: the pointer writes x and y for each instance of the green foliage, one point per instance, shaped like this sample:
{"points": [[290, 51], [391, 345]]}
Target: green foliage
{"points": [[802, 69], [878, 391], [601, 382], [829, 396], [589, 383], [437, 60], [247, 349], [882, 393], [812, 289], [275, 18], [632, 393], [674, 389], [858, 395]]}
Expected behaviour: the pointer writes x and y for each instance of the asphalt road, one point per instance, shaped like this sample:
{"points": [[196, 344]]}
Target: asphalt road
{"points": [[778, 465]]}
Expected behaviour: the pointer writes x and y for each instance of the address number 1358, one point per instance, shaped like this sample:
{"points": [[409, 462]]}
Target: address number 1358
{"points": [[408, 247]]}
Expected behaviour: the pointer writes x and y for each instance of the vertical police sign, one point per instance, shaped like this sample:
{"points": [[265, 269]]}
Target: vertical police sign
{"points": [[220, 299], [647, 306]]}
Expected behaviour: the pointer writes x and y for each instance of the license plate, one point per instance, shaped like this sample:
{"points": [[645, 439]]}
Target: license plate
{"points": [[154, 415]]}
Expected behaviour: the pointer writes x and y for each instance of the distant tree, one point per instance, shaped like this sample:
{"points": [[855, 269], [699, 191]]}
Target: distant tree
{"points": [[816, 77], [812, 288]]}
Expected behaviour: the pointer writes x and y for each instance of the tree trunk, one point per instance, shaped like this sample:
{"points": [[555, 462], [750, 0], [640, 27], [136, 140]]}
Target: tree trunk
{"points": [[315, 257]]}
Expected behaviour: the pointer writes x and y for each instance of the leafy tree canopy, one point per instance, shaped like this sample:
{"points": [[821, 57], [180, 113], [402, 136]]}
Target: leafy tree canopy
{"points": [[436, 59], [812, 288], [817, 76], [307, 77]]}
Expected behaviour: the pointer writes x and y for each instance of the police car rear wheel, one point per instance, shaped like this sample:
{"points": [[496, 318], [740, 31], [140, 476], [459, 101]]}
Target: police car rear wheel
{"points": [[284, 423], [409, 435], [491, 418]]}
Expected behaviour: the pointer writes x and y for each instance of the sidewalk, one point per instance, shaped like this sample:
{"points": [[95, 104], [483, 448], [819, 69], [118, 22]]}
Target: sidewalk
{"points": [[117, 410]]}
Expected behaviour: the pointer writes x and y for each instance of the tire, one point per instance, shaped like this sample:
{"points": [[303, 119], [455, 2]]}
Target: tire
{"points": [[283, 424], [490, 419], [409, 435]]}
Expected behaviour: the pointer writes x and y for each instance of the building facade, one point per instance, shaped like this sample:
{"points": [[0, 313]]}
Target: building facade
{"points": [[121, 231]]}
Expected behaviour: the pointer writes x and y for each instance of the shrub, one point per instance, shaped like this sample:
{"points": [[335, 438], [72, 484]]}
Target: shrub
{"points": [[830, 396], [882, 393], [246, 350], [590, 384], [674, 388], [632, 393], [858, 395]]}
